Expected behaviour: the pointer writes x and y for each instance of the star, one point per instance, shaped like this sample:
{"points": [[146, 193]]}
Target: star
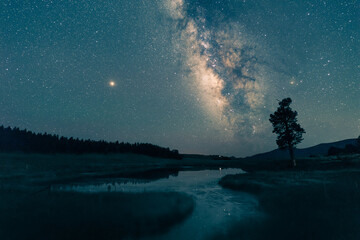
{"points": [[112, 83]]}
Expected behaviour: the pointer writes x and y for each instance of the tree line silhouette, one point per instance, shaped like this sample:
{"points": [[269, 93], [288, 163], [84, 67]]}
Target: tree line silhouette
{"points": [[16, 140], [349, 149]]}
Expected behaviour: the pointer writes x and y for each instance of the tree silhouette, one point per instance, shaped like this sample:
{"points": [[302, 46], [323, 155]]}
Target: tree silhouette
{"points": [[289, 132], [349, 149], [16, 140]]}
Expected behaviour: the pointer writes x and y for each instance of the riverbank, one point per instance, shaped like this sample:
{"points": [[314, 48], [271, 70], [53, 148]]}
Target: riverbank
{"points": [[70, 215], [39, 171], [42, 191], [317, 200], [30, 209]]}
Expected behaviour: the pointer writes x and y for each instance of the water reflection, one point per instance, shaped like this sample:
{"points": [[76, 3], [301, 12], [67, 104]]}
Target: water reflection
{"points": [[184, 181], [215, 207]]}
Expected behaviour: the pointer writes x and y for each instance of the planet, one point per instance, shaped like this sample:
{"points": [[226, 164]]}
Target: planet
{"points": [[112, 83]]}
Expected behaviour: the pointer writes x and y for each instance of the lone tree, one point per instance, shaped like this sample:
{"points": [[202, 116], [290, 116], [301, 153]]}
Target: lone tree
{"points": [[286, 127]]}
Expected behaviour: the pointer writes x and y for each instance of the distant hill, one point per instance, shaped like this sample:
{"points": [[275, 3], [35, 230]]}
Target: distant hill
{"points": [[321, 149]]}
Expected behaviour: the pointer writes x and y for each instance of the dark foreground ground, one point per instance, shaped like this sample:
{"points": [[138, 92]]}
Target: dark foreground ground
{"points": [[30, 209], [318, 200], [65, 215]]}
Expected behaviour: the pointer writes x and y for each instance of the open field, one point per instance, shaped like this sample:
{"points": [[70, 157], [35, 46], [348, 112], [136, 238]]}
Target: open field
{"points": [[319, 200]]}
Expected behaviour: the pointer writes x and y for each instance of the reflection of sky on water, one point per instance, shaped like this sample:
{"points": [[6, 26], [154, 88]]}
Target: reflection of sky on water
{"points": [[186, 181], [215, 206]]}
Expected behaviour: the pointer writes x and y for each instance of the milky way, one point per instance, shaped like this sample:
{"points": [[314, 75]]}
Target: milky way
{"points": [[224, 71]]}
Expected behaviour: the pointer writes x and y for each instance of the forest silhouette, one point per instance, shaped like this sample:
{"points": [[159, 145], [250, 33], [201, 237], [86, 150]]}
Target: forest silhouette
{"points": [[16, 140]]}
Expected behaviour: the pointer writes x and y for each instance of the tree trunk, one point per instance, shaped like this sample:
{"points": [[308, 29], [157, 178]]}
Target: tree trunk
{"points": [[291, 151]]}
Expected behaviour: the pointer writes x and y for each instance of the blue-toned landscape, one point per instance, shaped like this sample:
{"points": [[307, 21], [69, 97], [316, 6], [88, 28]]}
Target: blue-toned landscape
{"points": [[179, 119]]}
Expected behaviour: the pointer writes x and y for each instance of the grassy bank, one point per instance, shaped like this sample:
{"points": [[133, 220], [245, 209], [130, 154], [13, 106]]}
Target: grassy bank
{"points": [[31, 170], [60, 215], [30, 210], [304, 203]]}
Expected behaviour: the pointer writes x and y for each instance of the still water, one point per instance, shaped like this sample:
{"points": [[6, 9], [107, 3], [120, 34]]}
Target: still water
{"points": [[215, 207]]}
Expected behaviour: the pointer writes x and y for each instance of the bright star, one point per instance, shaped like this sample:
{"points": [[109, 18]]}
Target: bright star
{"points": [[112, 84]]}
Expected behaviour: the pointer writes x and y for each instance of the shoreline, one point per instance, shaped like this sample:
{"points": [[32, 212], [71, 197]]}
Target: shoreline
{"points": [[317, 201]]}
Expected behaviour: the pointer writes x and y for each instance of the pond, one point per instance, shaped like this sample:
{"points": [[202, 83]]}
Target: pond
{"points": [[215, 208]]}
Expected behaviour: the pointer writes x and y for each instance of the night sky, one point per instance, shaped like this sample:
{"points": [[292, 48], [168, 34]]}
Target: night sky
{"points": [[198, 76]]}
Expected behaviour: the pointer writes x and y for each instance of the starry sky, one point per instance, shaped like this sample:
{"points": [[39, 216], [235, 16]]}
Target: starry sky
{"points": [[195, 75]]}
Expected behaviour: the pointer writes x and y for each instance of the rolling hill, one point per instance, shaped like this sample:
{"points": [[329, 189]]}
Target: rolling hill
{"points": [[320, 149]]}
